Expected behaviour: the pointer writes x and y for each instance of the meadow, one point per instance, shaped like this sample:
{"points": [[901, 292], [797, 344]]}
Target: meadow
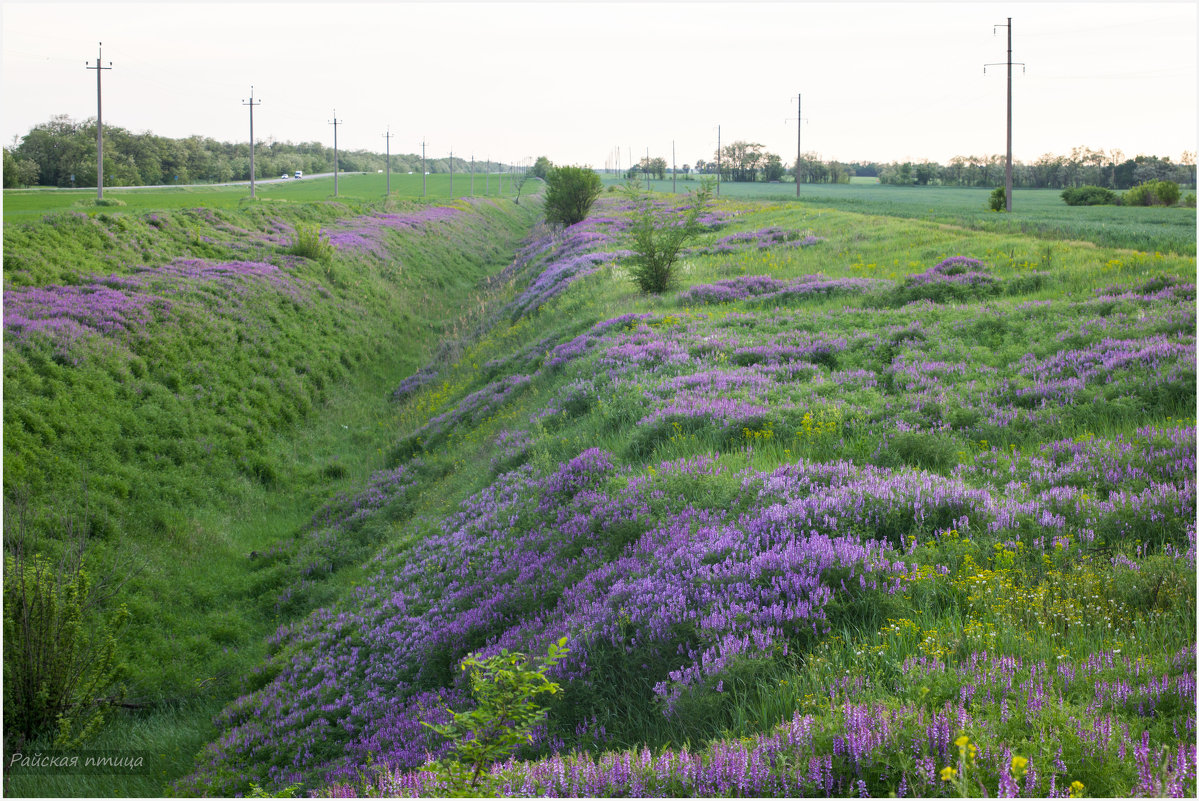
{"points": [[22, 205], [1038, 212], [865, 505], [185, 393]]}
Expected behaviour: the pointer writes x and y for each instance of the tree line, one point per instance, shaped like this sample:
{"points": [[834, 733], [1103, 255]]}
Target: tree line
{"points": [[1081, 167], [749, 162], [62, 152]]}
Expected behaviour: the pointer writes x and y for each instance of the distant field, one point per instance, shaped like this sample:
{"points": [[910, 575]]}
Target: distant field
{"points": [[29, 204], [1039, 212]]}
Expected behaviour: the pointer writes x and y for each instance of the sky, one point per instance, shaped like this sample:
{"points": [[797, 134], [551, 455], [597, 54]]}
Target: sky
{"points": [[586, 83]]}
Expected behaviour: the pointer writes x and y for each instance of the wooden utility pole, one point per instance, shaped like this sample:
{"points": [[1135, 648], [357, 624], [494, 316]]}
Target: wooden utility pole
{"points": [[99, 123], [1007, 176], [798, 143], [717, 161], [387, 136], [335, 123], [251, 104]]}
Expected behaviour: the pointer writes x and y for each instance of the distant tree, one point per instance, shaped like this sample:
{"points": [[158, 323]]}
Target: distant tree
{"points": [[571, 192], [740, 160], [772, 169], [18, 172], [519, 179], [541, 168]]}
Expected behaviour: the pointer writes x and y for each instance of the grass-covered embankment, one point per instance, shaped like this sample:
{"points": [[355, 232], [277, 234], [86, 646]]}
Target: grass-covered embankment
{"points": [[185, 392], [921, 496]]}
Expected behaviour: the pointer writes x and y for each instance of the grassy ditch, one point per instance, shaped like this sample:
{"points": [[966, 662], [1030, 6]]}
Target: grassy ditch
{"points": [[185, 392], [859, 494]]}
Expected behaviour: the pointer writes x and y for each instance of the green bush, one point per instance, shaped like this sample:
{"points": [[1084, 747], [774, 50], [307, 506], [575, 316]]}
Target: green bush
{"points": [[1152, 193], [571, 192], [59, 661], [310, 244], [1090, 196], [657, 240], [998, 199], [504, 687]]}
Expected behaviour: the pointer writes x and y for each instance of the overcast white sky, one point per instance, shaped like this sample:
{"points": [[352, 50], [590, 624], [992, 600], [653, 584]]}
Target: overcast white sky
{"points": [[575, 80]]}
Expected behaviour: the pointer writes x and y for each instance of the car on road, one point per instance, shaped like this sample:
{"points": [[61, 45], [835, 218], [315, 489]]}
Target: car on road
{"points": [[284, 176], [299, 173]]}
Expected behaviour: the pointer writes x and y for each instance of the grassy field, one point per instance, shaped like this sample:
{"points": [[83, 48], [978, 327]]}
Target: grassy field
{"points": [[657, 479], [31, 204], [864, 499], [187, 394], [1036, 212]]}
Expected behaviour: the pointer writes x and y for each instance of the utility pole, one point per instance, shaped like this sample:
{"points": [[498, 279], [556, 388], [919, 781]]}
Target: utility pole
{"points": [[424, 172], [251, 104], [798, 144], [719, 171], [99, 123], [387, 136], [1007, 176], [674, 173], [335, 123]]}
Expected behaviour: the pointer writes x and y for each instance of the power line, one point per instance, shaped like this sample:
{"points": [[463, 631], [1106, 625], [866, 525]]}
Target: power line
{"points": [[387, 136], [251, 104], [99, 123], [1007, 175], [335, 122]]}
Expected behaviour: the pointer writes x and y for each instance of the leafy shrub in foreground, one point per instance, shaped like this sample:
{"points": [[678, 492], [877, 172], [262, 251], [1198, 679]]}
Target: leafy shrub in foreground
{"points": [[504, 687], [658, 239], [571, 192], [58, 665], [1090, 196], [998, 199]]}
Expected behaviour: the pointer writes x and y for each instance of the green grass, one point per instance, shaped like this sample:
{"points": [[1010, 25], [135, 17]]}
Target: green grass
{"points": [[217, 604], [189, 452], [31, 204], [1039, 213]]}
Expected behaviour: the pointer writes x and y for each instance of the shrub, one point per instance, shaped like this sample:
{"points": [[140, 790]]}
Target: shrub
{"points": [[657, 240], [311, 244], [59, 663], [1189, 200], [504, 687], [1152, 193], [571, 192], [998, 199], [1090, 196]]}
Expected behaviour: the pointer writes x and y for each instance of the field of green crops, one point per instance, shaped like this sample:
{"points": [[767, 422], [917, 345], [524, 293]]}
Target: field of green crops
{"points": [[1039, 212], [29, 204], [874, 501]]}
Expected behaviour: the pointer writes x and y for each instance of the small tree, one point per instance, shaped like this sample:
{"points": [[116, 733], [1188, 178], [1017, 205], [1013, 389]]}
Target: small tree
{"points": [[541, 168], [571, 192], [658, 239], [505, 687], [998, 199], [60, 639]]}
